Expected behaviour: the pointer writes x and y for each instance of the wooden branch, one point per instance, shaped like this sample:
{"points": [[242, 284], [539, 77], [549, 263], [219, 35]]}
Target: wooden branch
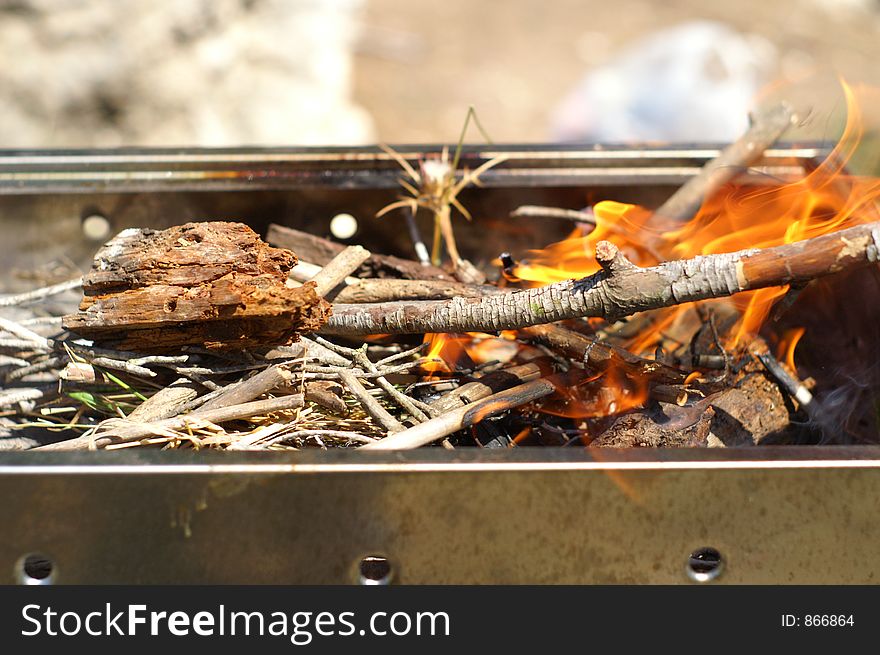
{"points": [[381, 415], [534, 211], [493, 382], [165, 403], [389, 290], [457, 419], [211, 284], [746, 151], [266, 380], [320, 251], [339, 268], [620, 289], [601, 356]]}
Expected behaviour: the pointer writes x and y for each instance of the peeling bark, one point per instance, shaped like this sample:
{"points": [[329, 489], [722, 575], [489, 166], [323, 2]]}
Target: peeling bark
{"points": [[212, 284], [620, 289]]}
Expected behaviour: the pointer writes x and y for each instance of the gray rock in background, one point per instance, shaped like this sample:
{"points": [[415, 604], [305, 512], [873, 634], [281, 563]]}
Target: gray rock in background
{"points": [[187, 72]]}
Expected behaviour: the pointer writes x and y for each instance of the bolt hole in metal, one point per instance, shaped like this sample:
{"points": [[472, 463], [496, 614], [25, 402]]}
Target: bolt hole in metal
{"points": [[375, 570], [704, 564], [96, 227], [35, 569]]}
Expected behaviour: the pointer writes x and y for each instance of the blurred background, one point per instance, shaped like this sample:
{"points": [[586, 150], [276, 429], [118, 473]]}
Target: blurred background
{"points": [[309, 72]]}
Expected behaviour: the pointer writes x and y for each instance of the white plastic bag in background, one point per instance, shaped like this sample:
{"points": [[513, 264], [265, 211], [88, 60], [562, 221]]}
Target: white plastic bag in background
{"points": [[693, 82]]}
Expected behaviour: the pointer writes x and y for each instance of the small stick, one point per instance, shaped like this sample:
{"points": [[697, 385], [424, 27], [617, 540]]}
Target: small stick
{"points": [[6, 360], [266, 380], [388, 290], [302, 434], [12, 396], [766, 128], [332, 372], [371, 405], [667, 393], [455, 420], [127, 367], [39, 294], [308, 350], [534, 211], [165, 403], [19, 344], [22, 332], [38, 367], [490, 383], [41, 320], [364, 290], [794, 387], [416, 236], [402, 355], [121, 431], [198, 401], [305, 271], [343, 265]]}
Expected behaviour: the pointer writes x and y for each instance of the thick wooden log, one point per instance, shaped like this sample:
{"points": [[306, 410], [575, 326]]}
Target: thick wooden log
{"points": [[213, 284]]}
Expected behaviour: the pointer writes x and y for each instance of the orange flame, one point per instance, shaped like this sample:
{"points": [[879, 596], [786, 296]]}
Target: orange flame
{"points": [[450, 351], [787, 345], [824, 200], [609, 393]]}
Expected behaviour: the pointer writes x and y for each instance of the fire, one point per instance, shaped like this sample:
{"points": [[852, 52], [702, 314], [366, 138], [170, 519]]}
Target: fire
{"points": [[449, 352], [787, 345], [605, 394], [825, 200]]}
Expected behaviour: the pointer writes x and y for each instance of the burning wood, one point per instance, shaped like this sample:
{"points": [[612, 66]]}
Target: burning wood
{"points": [[623, 336], [622, 288]]}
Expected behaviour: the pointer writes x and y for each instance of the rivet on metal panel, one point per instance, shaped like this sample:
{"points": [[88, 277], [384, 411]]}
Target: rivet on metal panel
{"points": [[375, 570], [35, 569], [704, 565]]}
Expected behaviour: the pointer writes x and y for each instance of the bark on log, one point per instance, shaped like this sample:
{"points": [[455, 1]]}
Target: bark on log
{"points": [[371, 290], [642, 429], [212, 284], [620, 289]]}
